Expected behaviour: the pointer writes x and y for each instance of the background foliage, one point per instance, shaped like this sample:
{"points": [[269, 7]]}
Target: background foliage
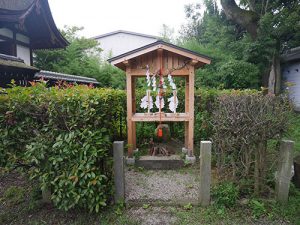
{"points": [[209, 31], [81, 57]]}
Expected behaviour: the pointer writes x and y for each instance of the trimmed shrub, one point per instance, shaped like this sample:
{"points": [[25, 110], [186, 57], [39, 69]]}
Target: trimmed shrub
{"points": [[64, 137], [242, 126]]}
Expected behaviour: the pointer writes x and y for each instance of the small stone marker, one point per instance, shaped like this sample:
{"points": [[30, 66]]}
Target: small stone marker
{"points": [[118, 150], [205, 173], [284, 173]]}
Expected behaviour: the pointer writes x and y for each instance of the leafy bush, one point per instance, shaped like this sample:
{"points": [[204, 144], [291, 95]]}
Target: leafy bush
{"points": [[225, 194], [238, 74], [64, 136], [242, 126], [258, 208]]}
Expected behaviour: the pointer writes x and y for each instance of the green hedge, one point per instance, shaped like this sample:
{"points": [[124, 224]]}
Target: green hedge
{"points": [[64, 137]]}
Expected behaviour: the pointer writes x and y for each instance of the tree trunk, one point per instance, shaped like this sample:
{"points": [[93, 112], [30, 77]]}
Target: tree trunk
{"points": [[275, 76], [245, 18]]}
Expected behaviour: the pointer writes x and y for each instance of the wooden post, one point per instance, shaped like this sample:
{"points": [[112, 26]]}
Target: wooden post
{"points": [[191, 110], [284, 173], [129, 109], [205, 172], [186, 109], [133, 112], [119, 176]]}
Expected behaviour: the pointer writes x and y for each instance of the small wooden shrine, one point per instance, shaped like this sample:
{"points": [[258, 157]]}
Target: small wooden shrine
{"points": [[162, 60]]}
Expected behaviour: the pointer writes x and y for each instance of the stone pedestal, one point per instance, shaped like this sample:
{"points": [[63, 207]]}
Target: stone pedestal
{"points": [[184, 150], [119, 176], [205, 172], [160, 162], [284, 173], [130, 161], [190, 159]]}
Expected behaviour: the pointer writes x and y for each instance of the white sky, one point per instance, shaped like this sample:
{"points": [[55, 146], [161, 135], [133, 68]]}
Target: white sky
{"points": [[103, 16]]}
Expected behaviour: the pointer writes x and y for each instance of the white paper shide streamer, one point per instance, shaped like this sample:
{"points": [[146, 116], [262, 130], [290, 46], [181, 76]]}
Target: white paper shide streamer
{"points": [[171, 82], [173, 101], [147, 101]]}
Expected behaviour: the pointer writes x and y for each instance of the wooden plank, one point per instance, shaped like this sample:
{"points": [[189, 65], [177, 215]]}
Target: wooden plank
{"points": [[170, 61], [159, 58], [172, 117], [175, 61], [161, 46], [142, 72], [152, 61], [186, 54]]}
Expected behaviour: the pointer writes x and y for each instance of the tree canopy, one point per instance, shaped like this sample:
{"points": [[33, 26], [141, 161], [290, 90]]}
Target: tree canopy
{"points": [[82, 57], [241, 38]]}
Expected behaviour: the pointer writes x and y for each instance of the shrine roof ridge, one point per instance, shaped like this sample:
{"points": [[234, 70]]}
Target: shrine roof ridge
{"points": [[157, 43]]}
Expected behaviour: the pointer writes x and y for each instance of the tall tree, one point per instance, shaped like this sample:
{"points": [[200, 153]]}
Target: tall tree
{"points": [[271, 24]]}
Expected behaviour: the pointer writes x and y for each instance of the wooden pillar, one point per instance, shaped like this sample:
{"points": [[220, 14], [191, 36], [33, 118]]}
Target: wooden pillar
{"points": [[133, 81], [186, 109], [191, 109], [129, 109]]}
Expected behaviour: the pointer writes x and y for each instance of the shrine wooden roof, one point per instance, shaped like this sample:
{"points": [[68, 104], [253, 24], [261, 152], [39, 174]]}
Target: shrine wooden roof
{"points": [[34, 18], [8, 62], [49, 75], [119, 60]]}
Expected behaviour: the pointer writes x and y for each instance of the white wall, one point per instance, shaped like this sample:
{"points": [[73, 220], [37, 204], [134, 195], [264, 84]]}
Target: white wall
{"points": [[120, 43], [6, 32], [291, 74], [23, 53], [22, 38]]}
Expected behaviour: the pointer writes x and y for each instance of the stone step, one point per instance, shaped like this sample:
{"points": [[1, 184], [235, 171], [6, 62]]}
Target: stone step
{"points": [[160, 162]]}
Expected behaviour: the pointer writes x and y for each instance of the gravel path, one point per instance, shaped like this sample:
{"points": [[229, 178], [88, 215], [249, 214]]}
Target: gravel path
{"points": [[152, 216], [169, 186]]}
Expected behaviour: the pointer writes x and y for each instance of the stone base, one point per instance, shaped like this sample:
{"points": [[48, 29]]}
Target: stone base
{"points": [[184, 150], [160, 162], [130, 161], [136, 150], [190, 159]]}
